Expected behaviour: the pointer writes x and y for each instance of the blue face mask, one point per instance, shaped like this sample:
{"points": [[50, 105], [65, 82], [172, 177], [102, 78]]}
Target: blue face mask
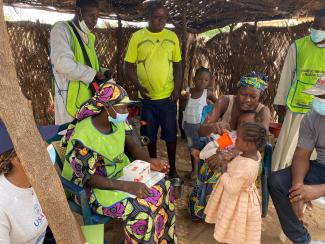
{"points": [[120, 118], [319, 105], [317, 35]]}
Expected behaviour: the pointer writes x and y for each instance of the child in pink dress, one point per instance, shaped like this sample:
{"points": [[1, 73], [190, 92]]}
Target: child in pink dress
{"points": [[234, 205]]}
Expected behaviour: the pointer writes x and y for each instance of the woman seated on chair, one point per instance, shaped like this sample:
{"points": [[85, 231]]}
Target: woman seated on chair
{"points": [[95, 160], [225, 116]]}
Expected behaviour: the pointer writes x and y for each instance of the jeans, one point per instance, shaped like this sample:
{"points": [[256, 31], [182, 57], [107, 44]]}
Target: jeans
{"points": [[279, 185]]}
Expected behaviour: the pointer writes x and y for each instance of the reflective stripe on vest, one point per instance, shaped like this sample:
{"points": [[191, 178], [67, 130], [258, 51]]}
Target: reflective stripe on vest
{"points": [[78, 91], [310, 65]]}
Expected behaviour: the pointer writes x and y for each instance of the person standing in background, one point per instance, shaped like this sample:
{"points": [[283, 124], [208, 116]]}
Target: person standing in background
{"points": [[153, 65], [304, 64], [74, 60]]}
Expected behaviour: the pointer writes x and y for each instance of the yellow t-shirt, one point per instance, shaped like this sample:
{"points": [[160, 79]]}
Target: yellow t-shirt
{"points": [[154, 55]]}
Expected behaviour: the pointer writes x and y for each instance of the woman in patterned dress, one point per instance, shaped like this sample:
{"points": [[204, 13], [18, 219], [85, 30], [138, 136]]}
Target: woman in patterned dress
{"points": [[95, 159]]}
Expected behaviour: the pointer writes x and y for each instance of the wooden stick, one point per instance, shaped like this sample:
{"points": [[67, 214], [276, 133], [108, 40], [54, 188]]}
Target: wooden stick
{"points": [[16, 113]]}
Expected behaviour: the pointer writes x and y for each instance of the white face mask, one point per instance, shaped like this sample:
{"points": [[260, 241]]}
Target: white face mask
{"points": [[319, 105]]}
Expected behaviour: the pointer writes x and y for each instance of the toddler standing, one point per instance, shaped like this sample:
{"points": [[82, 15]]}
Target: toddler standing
{"points": [[197, 100], [234, 205]]}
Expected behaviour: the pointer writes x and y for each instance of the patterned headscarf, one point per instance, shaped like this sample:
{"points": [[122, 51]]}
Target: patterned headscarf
{"points": [[254, 79], [108, 94]]}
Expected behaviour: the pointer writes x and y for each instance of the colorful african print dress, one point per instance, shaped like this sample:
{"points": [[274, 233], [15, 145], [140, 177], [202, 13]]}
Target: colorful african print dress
{"points": [[149, 220]]}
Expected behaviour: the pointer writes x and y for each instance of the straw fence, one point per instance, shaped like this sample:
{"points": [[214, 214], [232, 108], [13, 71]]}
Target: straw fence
{"points": [[228, 55], [231, 55]]}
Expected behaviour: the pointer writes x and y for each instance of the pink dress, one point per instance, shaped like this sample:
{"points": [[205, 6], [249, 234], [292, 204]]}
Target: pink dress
{"points": [[234, 204]]}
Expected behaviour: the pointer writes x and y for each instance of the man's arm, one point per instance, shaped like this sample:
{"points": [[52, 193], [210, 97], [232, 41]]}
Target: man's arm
{"points": [[129, 67], [177, 69], [62, 56], [131, 76], [300, 165]]}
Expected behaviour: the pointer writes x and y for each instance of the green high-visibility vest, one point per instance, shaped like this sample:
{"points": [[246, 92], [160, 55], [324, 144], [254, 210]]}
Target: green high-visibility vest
{"points": [[78, 91], [110, 147], [310, 65]]}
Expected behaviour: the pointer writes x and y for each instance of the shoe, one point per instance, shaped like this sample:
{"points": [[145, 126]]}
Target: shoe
{"points": [[316, 242]]}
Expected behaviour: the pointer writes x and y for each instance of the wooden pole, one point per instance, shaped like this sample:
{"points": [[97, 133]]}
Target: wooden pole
{"points": [[184, 45], [16, 113], [119, 50]]}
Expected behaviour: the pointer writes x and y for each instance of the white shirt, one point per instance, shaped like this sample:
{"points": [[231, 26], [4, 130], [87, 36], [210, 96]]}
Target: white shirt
{"points": [[194, 107], [21, 217], [288, 75], [65, 68]]}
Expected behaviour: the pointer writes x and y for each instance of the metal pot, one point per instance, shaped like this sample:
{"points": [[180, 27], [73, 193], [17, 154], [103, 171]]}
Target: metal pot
{"points": [[177, 184]]}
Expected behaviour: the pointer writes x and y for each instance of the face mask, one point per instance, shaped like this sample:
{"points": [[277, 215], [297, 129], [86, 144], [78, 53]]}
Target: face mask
{"points": [[120, 118], [84, 28], [319, 106], [317, 35]]}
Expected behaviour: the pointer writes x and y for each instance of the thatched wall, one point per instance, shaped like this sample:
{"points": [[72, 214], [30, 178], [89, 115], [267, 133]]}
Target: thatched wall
{"points": [[231, 55], [198, 16], [228, 55], [30, 45]]}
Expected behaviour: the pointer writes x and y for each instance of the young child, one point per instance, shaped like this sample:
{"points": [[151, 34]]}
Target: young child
{"points": [[234, 205], [210, 147], [197, 100]]}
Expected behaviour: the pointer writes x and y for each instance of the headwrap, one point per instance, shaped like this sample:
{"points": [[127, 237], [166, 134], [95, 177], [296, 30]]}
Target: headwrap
{"points": [[108, 94], [254, 79]]}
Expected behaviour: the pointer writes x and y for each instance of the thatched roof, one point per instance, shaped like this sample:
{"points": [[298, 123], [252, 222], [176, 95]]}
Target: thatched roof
{"points": [[201, 15]]}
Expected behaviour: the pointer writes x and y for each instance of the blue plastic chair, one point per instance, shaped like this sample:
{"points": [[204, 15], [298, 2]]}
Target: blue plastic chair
{"points": [[89, 217], [266, 172]]}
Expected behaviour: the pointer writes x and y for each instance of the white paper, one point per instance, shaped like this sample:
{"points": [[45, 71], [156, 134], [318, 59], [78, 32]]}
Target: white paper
{"points": [[153, 179]]}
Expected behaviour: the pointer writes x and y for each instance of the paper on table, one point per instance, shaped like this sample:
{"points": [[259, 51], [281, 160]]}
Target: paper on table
{"points": [[153, 179]]}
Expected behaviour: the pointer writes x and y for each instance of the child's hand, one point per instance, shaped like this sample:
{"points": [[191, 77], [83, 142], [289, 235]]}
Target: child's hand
{"points": [[214, 161], [229, 155], [185, 94]]}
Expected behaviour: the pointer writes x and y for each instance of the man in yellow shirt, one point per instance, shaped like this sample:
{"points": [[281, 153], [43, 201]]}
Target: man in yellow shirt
{"points": [[153, 65]]}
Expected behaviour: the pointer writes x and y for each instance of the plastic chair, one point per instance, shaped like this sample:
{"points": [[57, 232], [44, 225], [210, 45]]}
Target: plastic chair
{"points": [[266, 172], [89, 217]]}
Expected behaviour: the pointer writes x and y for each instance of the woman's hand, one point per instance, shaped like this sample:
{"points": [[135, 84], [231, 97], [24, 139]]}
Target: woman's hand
{"points": [[159, 165], [220, 127], [137, 188]]}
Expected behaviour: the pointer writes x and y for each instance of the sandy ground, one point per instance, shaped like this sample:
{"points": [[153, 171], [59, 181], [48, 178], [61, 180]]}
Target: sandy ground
{"points": [[202, 233]]}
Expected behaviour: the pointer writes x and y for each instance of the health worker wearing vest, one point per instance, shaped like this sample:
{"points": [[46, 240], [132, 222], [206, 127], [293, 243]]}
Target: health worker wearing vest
{"points": [[72, 74], [153, 65], [95, 160], [304, 64]]}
